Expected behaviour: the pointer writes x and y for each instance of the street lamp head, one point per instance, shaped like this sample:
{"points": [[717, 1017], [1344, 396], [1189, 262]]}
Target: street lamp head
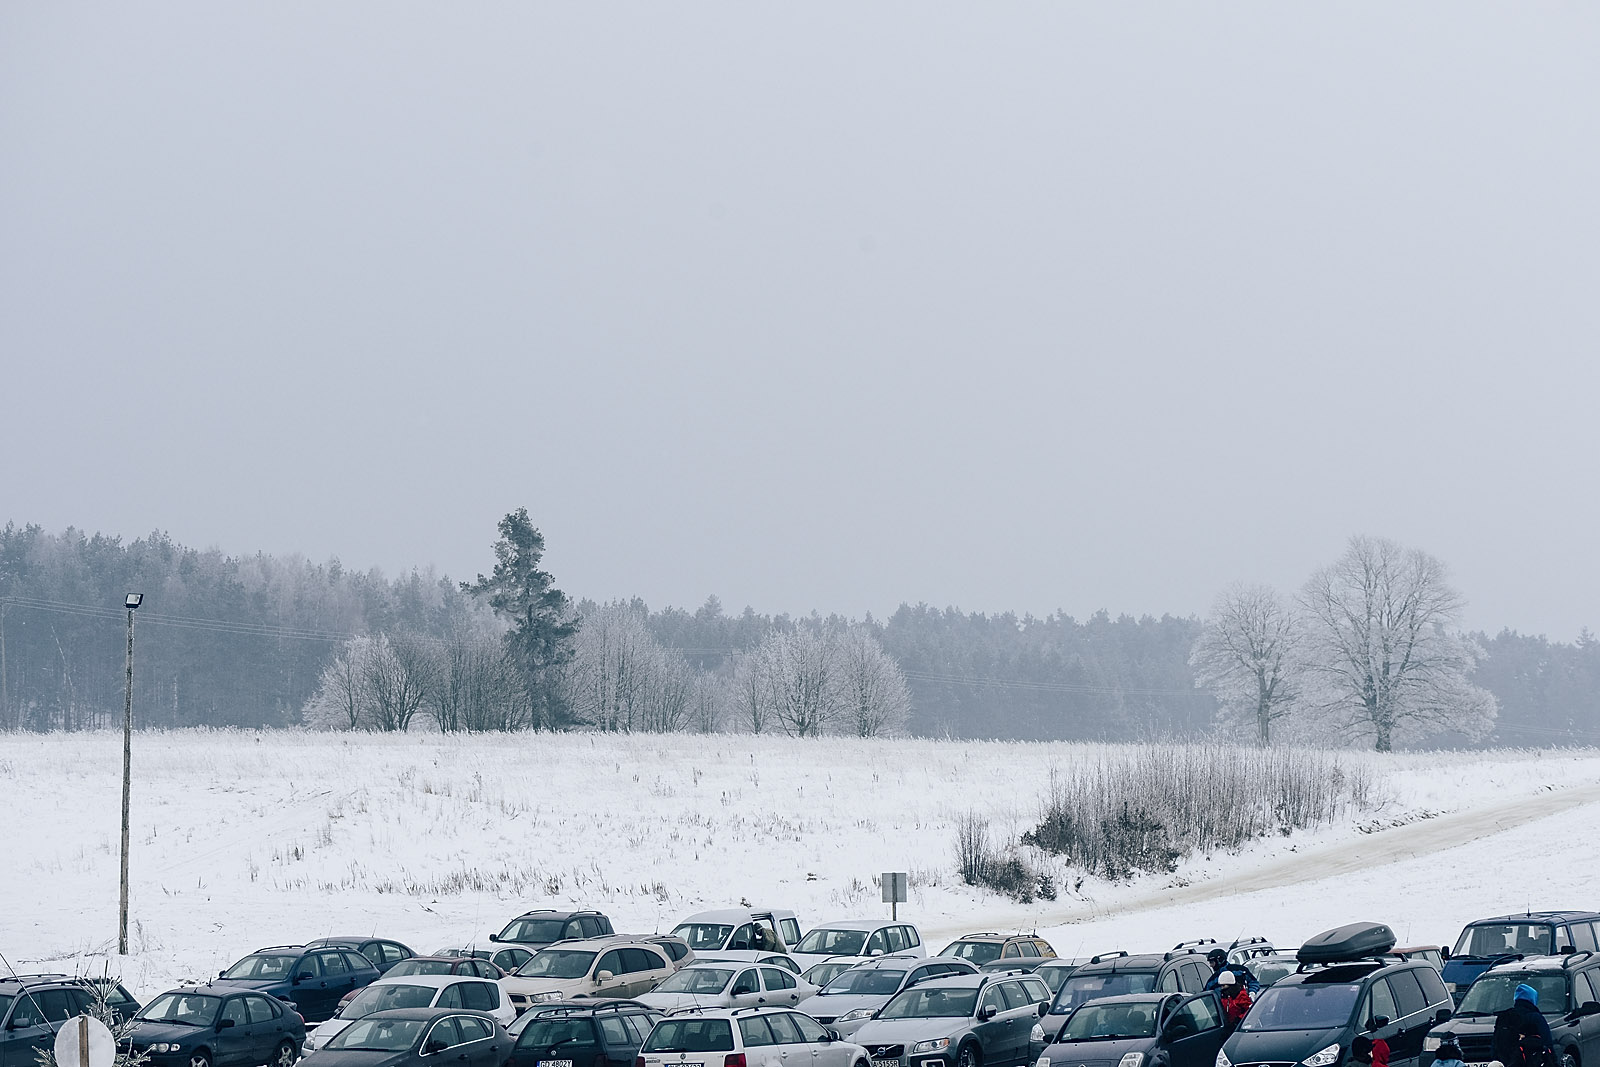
{"points": [[133, 601]]}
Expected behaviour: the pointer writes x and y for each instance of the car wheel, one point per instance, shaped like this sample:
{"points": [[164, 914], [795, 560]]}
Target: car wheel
{"points": [[286, 1055], [969, 1057], [1569, 1058], [199, 1058]]}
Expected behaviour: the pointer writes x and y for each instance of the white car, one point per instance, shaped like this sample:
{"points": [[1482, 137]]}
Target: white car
{"points": [[764, 1037], [738, 933], [857, 938], [417, 991], [596, 967], [728, 985]]}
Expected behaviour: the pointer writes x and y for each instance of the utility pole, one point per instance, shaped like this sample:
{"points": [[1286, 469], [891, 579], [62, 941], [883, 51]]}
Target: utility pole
{"points": [[131, 602], [5, 693]]}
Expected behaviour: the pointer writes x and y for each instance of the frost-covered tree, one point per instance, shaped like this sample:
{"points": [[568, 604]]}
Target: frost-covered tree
{"points": [[400, 674], [1380, 648], [872, 692], [1250, 654], [805, 672], [342, 701]]}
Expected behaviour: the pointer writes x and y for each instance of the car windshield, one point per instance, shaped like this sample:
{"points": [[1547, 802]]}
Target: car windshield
{"points": [[703, 935], [823, 973], [262, 965], [416, 966], [977, 952], [1094, 1022], [1082, 988], [556, 1032], [1270, 971], [1505, 939], [191, 1008], [540, 930], [833, 942], [1492, 993], [386, 996], [867, 980], [930, 1004], [1303, 1006], [557, 963], [696, 980], [379, 1035], [690, 1035]]}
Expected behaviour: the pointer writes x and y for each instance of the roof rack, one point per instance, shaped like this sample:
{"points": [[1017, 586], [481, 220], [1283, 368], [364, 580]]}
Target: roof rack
{"points": [[610, 1005], [1196, 943], [1180, 951], [1104, 956]]}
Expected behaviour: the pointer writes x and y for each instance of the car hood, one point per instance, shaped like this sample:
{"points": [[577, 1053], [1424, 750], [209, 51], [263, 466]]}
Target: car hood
{"points": [[516, 983], [808, 959], [840, 1004], [897, 1031], [1262, 1046], [150, 1032], [674, 1001], [324, 1032], [1096, 1053]]}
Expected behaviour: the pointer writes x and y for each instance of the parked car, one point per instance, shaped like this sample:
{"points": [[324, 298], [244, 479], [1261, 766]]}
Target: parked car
{"points": [[820, 974], [1248, 949], [730, 933], [469, 965], [226, 1024], [417, 991], [677, 949], [314, 980], [1057, 970], [1569, 996], [856, 995], [1115, 974], [860, 938], [727, 985], [601, 967], [1432, 955], [965, 1020], [561, 1007], [1485, 942], [546, 926], [757, 1037], [1160, 1029], [1350, 988], [978, 949], [383, 954], [33, 1007], [417, 1037], [507, 957], [1271, 969], [606, 1034]]}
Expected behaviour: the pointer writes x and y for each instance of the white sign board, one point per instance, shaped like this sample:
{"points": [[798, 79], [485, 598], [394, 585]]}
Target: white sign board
{"points": [[85, 1042]]}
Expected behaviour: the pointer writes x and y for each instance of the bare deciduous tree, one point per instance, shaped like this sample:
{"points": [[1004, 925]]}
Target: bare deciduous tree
{"points": [[400, 673], [1250, 655], [342, 701], [1379, 645], [873, 696], [804, 680]]}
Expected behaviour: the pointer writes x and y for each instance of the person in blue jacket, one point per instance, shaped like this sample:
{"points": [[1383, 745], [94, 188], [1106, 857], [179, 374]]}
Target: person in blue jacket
{"points": [[1521, 1035], [1218, 958]]}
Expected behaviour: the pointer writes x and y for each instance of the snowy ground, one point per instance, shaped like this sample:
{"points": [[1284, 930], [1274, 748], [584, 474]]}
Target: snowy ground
{"points": [[242, 840]]}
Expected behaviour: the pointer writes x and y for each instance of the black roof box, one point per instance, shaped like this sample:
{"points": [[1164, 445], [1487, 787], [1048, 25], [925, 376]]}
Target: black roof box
{"points": [[1355, 941]]}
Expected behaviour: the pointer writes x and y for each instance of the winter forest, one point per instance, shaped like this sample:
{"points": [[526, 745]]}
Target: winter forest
{"points": [[1365, 653]]}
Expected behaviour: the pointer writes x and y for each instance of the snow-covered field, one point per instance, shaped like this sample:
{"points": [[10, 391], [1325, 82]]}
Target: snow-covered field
{"points": [[242, 840]]}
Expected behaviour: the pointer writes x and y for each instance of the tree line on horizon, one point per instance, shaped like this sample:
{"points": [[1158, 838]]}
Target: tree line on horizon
{"points": [[262, 641]]}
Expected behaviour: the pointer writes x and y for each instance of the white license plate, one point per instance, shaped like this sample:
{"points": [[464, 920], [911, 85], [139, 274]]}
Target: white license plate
{"points": [[555, 1063], [886, 1063]]}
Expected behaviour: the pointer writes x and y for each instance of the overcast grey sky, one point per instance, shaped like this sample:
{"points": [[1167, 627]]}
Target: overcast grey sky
{"points": [[829, 306]]}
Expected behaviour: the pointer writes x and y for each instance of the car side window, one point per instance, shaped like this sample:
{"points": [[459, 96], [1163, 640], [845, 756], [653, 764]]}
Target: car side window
{"points": [[1433, 987], [878, 943], [1029, 949], [741, 939], [913, 939], [26, 1013], [443, 1035], [1169, 981], [1408, 995], [810, 1029], [472, 1029], [1037, 991], [393, 953], [783, 1028], [777, 978], [308, 965], [233, 1009], [1010, 950], [1046, 951], [1563, 938], [602, 925], [1198, 1015], [895, 936], [633, 1023], [1380, 1002], [611, 961], [357, 962], [612, 1032], [745, 983], [1583, 937], [1582, 989], [1015, 996], [333, 963], [754, 1032], [993, 999], [450, 997], [483, 996], [261, 1009]]}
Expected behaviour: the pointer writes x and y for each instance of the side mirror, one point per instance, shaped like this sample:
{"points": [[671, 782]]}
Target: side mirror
{"points": [[303, 976], [1441, 1016], [1044, 1008], [1589, 1007], [223, 1024], [830, 1035], [495, 938], [222, 974], [986, 1013], [433, 1046], [1444, 953], [603, 976], [1377, 1022]]}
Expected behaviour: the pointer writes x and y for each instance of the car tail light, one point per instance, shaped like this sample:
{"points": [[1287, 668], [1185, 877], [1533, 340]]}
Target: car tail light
{"points": [[733, 1059], [639, 1062]]}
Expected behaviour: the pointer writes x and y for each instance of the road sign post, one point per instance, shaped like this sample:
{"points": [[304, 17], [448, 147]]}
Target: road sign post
{"points": [[894, 891]]}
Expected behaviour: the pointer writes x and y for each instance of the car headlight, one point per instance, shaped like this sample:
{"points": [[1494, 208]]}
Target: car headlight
{"points": [[552, 995], [938, 1044], [1222, 1059], [1432, 1042], [165, 1046], [1326, 1058], [859, 1013], [1132, 1059], [1042, 1061], [1037, 1034]]}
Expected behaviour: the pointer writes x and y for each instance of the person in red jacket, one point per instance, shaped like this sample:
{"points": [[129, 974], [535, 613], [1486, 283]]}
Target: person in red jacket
{"points": [[1365, 1050], [1235, 1000]]}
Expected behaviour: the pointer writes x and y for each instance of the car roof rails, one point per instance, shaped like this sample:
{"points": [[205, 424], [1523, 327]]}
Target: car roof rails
{"points": [[1195, 943], [1180, 951], [1104, 956]]}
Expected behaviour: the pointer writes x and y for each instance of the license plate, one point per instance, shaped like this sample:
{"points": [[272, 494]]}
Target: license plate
{"points": [[886, 1063], [555, 1063]]}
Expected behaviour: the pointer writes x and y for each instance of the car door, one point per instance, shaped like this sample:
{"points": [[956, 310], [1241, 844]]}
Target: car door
{"points": [[1586, 990], [761, 1048], [477, 1041], [781, 988], [1193, 1031], [1412, 1020], [1378, 1015], [745, 992], [337, 975], [442, 1037], [35, 1018], [825, 1051], [620, 1047], [994, 1027], [617, 979], [232, 1044], [793, 1048], [271, 1027]]}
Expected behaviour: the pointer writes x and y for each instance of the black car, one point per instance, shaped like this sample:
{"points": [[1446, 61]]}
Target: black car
{"points": [[312, 979], [1164, 1029], [1346, 987], [221, 1024], [1486, 942], [587, 1035], [33, 1007], [1056, 971], [1115, 974], [382, 953], [546, 926], [1569, 996], [417, 1037]]}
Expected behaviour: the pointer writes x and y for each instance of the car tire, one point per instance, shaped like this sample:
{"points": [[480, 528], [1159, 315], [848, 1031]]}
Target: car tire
{"points": [[199, 1058], [285, 1056], [1569, 1058], [969, 1056]]}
